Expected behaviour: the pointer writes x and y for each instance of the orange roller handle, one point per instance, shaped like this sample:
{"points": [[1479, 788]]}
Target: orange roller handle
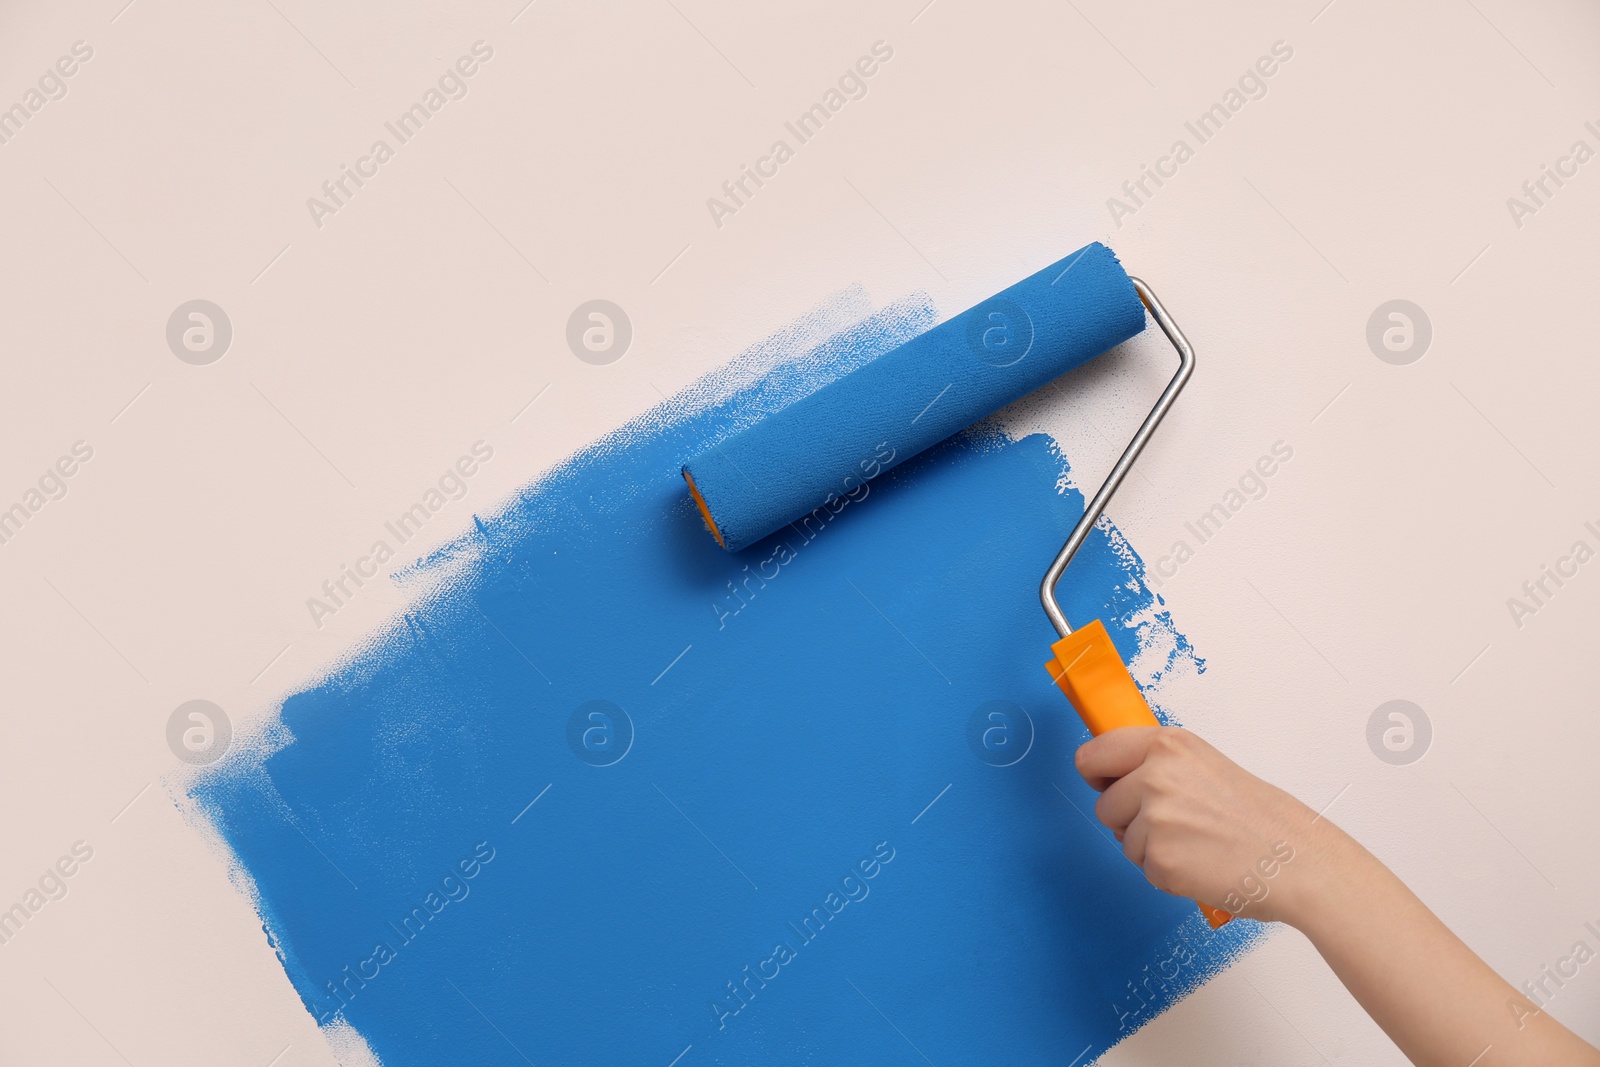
{"points": [[1088, 669]]}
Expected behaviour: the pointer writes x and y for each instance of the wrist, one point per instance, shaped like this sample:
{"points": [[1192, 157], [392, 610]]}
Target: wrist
{"points": [[1321, 879]]}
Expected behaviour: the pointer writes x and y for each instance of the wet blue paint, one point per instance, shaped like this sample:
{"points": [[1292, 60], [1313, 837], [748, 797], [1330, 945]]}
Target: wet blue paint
{"points": [[816, 726], [907, 400]]}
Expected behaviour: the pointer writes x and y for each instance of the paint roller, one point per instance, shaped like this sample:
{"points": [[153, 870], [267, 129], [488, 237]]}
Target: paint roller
{"points": [[824, 447]]}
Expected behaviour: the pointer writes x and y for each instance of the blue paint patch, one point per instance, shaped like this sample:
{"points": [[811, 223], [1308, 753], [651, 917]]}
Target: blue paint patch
{"points": [[607, 792]]}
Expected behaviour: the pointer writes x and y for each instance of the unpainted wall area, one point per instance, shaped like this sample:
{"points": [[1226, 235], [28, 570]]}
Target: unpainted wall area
{"points": [[394, 340]]}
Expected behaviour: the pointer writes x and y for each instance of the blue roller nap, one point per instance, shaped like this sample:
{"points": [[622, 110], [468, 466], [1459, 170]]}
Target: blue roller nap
{"points": [[828, 444]]}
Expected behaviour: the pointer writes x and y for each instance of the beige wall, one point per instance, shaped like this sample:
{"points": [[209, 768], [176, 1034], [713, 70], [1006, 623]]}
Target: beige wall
{"points": [[370, 351]]}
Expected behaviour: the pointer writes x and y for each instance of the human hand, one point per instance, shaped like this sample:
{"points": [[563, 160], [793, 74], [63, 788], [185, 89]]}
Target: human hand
{"points": [[1201, 826]]}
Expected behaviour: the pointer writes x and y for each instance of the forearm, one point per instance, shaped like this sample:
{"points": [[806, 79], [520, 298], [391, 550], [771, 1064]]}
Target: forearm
{"points": [[1430, 993]]}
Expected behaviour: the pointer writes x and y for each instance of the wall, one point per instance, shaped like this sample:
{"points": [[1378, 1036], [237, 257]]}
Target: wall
{"points": [[372, 346]]}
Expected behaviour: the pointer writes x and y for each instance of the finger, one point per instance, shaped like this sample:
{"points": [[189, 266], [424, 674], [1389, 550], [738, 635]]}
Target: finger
{"points": [[1114, 754], [1134, 840], [1119, 804]]}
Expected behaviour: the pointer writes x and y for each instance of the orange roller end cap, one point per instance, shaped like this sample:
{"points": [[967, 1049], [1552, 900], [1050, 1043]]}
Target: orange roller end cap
{"points": [[705, 509]]}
